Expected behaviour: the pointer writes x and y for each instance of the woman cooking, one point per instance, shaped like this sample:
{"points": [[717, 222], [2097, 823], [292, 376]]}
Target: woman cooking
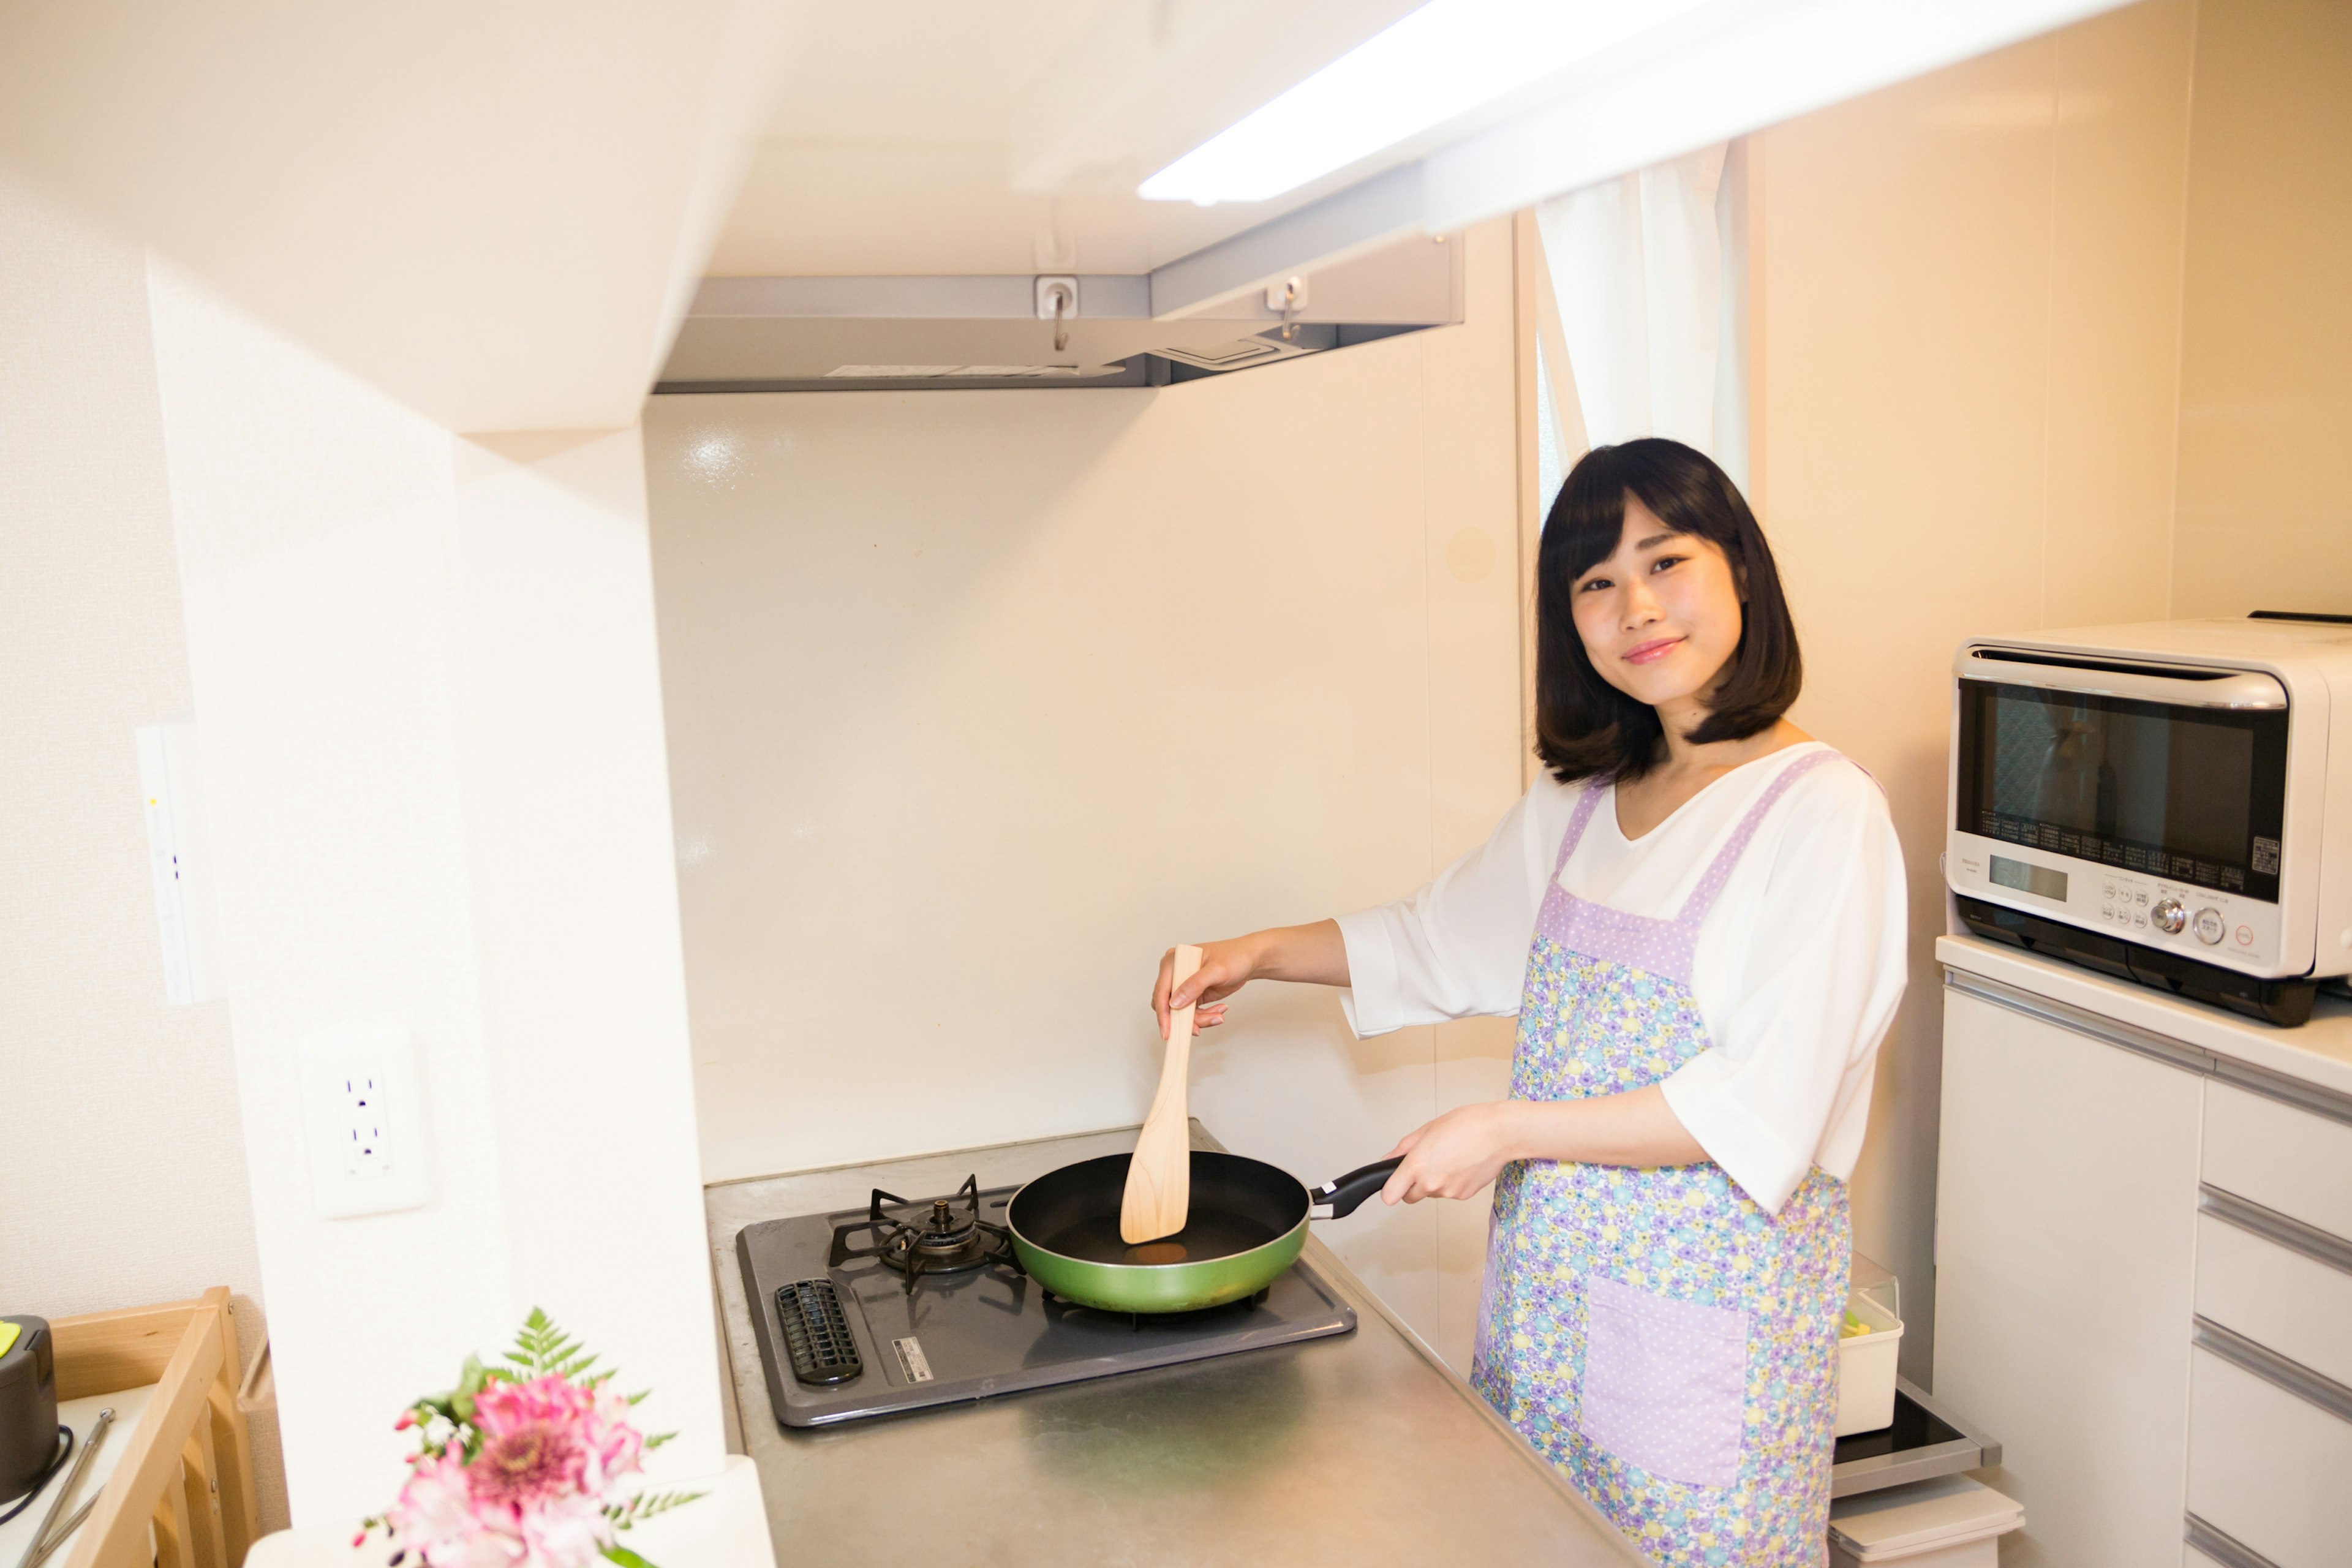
{"points": [[1698, 918]]}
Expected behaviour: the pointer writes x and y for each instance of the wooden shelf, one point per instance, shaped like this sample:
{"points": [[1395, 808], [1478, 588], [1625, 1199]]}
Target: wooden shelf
{"points": [[181, 1494]]}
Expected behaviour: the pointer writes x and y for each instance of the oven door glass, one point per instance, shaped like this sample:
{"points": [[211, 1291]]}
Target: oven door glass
{"points": [[2191, 795]]}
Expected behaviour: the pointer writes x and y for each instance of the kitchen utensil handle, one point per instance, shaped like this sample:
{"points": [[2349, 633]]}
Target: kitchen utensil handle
{"points": [[1340, 1199], [1158, 1197], [1176, 1065], [59, 1536], [33, 1552]]}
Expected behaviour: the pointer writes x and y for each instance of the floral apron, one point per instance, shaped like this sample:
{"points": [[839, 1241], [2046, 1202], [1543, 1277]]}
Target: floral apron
{"points": [[1654, 1333]]}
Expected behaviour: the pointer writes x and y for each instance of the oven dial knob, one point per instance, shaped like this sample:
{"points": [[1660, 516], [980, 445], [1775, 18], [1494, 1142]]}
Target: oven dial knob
{"points": [[2209, 927], [2168, 916]]}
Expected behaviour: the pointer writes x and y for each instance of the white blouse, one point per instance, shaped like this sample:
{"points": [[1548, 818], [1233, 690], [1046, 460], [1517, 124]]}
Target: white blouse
{"points": [[1798, 970]]}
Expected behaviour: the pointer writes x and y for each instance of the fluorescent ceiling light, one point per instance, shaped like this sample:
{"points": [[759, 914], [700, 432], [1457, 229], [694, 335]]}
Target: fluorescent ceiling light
{"points": [[1441, 61]]}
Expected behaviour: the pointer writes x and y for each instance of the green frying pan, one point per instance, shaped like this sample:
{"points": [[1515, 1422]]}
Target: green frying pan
{"points": [[1248, 1221]]}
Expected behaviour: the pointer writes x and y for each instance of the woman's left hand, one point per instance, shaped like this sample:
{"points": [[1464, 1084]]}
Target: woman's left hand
{"points": [[1456, 1156]]}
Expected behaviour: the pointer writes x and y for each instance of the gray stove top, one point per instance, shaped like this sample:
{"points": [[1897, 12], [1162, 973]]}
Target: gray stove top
{"points": [[972, 1335]]}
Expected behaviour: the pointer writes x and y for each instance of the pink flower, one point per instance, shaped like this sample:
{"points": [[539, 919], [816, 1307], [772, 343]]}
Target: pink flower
{"points": [[569, 1533], [534, 1445], [534, 1496], [435, 1517]]}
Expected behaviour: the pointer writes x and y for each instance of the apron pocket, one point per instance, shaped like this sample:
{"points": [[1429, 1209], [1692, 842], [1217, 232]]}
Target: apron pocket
{"points": [[1664, 1382]]}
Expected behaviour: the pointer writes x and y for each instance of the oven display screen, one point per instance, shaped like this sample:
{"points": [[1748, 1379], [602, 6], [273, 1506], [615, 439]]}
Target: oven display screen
{"points": [[2039, 880], [2192, 794]]}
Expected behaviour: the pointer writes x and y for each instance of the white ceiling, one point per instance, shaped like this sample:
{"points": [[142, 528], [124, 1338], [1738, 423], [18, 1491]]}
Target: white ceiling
{"points": [[901, 124], [496, 214], [989, 136]]}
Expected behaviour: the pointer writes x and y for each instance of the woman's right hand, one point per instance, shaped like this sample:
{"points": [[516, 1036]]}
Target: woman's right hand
{"points": [[1225, 967]]}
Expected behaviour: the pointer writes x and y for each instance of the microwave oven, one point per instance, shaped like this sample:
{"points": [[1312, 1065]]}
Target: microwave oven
{"points": [[2169, 803]]}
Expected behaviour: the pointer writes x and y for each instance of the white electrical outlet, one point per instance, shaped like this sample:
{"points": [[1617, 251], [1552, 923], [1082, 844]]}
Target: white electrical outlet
{"points": [[364, 1116], [367, 1131]]}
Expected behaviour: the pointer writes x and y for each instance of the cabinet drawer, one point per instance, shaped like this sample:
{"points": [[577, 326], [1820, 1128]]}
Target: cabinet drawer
{"points": [[2267, 1466], [2296, 1162], [2282, 1299]]}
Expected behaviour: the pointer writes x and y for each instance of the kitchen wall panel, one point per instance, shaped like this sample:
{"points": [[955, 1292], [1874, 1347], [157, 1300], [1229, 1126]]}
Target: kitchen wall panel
{"points": [[978, 700], [428, 684], [2266, 330], [1965, 320], [122, 1176]]}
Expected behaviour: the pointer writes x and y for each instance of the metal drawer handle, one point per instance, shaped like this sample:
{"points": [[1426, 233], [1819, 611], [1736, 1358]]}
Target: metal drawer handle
{"points": [[2221, 1546], [2284, 1230], [2074, 1020], [2287, 1376]]}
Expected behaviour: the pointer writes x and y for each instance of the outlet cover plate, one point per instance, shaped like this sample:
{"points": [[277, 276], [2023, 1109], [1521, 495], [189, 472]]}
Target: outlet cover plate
{"points": [[363, 1072]]}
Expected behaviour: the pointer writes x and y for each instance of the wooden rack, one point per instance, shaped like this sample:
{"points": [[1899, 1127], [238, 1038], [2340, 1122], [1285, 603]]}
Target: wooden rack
{"points": [[186, 1471]]}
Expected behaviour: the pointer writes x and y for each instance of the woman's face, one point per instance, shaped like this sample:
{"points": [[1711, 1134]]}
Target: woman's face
{"points": [[1660, 616]]}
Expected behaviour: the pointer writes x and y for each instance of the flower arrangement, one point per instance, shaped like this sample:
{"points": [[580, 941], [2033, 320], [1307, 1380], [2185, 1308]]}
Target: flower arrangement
{"points": [[525, 1464]]}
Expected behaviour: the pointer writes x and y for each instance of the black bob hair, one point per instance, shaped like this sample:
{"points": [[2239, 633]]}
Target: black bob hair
{"points": [[1584, 726]]}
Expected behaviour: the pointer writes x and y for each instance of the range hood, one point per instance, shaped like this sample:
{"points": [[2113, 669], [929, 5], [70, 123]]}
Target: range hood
{"points": [[1084, 329]]}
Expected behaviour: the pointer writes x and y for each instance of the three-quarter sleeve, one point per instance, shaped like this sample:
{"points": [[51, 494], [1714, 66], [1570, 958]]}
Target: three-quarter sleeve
{"points": [[1457, 948], [1821, 971]]}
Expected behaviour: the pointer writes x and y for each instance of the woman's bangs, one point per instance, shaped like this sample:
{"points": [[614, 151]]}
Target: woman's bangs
{"points": [[1588, 518]]}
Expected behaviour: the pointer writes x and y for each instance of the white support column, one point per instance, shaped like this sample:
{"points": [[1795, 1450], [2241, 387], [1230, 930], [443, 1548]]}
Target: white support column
{"points": [[425, 681]]}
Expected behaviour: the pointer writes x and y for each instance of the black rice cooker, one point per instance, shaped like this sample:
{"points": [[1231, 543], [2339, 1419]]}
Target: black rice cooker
{"points": [[29, 1404]]}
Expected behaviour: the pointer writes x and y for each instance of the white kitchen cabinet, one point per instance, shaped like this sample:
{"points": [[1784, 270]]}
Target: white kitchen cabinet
{"points": [[2279, 1156], [2144, 1266], [2269, 1467], [2286, 1302], [2065, 1268]]}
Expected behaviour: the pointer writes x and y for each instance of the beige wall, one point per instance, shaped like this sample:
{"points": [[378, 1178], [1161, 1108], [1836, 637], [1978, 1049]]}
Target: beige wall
{"points": [[424, 672], [1966, 298], [978, 700], [427, 683], [2266, 332], [122, 1176]]}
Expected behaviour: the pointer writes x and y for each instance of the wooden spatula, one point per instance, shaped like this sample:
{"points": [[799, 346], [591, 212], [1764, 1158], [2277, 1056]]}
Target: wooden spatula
{"points": [[1160, 1179]]}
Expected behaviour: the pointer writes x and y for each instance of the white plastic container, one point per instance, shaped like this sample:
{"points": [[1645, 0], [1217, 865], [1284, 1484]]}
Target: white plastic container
{"points": [[1866, 1361], [1951, 1521]]}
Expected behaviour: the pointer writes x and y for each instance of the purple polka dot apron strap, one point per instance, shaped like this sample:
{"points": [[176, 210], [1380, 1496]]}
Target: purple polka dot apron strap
{"points": [[1595, 790], [1719, 871]]}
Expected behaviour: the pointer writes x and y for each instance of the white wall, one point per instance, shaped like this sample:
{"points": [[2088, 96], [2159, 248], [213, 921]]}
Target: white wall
{"points": [[978, 700], [122, 1176], [424, 679], [1964, 313], [423, 672], [2266, 329]]}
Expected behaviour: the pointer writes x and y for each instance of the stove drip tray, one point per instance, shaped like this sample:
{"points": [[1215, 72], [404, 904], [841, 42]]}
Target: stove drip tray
{"points": [[937, 1311]]}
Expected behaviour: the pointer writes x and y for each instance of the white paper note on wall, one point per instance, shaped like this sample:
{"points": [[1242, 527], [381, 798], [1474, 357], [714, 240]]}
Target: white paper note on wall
{"points": [[171, 781]]}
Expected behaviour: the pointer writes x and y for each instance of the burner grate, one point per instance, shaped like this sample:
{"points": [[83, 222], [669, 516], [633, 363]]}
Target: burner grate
{"points": [[943, 1241], [816, 1335]]}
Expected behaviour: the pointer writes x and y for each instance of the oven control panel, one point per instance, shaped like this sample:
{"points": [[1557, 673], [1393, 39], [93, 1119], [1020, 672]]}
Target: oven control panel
{"points": [[2157, 909], [2228, 929]]}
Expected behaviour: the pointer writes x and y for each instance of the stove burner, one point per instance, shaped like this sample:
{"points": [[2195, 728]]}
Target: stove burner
{"points": [[945, 1240], [1057, 1305]]}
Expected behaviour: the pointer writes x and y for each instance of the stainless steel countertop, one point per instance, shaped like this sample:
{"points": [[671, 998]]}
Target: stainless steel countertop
{"points": [[1361, 1450]]}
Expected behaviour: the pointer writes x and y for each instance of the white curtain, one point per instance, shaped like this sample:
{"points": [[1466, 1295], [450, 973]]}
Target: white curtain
{"points": [[1644, 331]]}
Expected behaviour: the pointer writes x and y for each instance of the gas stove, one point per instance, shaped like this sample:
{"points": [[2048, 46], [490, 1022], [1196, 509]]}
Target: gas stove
{"points": [[911, 1303]]}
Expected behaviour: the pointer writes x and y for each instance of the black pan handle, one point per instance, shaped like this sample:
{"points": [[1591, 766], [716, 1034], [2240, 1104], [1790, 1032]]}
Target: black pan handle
{"points": [[1340, 1199]]}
